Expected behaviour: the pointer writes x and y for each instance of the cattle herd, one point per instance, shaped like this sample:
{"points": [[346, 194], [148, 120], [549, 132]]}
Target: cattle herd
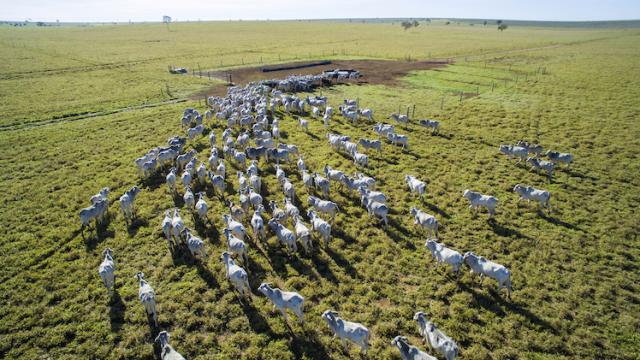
{"points": [[250, 112]]}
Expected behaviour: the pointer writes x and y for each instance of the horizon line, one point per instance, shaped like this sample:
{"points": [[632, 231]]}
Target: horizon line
{"points": [[29, 20]]}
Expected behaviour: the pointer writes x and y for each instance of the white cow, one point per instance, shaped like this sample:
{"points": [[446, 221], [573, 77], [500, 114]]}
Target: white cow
{"points": [[127, 203], [237, 229], [377, 209], [484, 267], [236, 275], [477, 200], [189, 198], [321, 226], [415, 185], [303, 234], [107, 269], [443, 254], [426, 221], [147, 297], [324, 206], [236, 246], [408, 351], [284, 235], [166, 351], [257, 223], [166, 226], [397, 139], [283, 300], [530, 193], [520, 152], [436, 339], [558, 157], [202, 208], [171, 179], [347, 330], [195, 131], [194, 244]]}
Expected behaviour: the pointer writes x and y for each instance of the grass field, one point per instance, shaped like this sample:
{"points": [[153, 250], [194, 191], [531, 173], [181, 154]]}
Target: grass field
{"points": [[575, 270]]}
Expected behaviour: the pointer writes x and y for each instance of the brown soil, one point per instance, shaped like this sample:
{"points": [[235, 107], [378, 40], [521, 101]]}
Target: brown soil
{"points": [[383, 72]]}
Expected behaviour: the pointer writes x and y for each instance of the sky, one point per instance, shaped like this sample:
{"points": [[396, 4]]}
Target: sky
{"points": [[153, 10]]}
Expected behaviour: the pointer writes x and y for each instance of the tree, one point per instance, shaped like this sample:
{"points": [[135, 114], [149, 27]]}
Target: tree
{"points": [[485, 23], [502, 27], [415, 23], [499, 22], [406, 25]]}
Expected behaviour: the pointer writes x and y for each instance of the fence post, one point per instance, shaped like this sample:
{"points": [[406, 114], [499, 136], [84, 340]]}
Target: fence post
{"points": [[492, 86], [442, 103], [413, 113]]}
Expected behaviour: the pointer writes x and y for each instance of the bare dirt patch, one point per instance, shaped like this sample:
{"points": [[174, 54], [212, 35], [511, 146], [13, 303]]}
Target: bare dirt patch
{"points": [[385, 72]]}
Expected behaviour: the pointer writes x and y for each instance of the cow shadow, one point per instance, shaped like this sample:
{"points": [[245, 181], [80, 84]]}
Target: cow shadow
{"points": [[200, 146], [206, 274], [100, 233], [574, 173], [180, 255], [257, 322], [312, 135], [436, 209], [339, 233], [116, 311], [342, 263], [302, 268], [308, 346], [502, 230], [496, 303], [154, 181], [135, 225], [444, 136], [557, 221], [323, 268]]}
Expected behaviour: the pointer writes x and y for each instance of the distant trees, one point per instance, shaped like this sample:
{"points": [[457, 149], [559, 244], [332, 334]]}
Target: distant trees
{"points": [[485, 23], [409, 24]]}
